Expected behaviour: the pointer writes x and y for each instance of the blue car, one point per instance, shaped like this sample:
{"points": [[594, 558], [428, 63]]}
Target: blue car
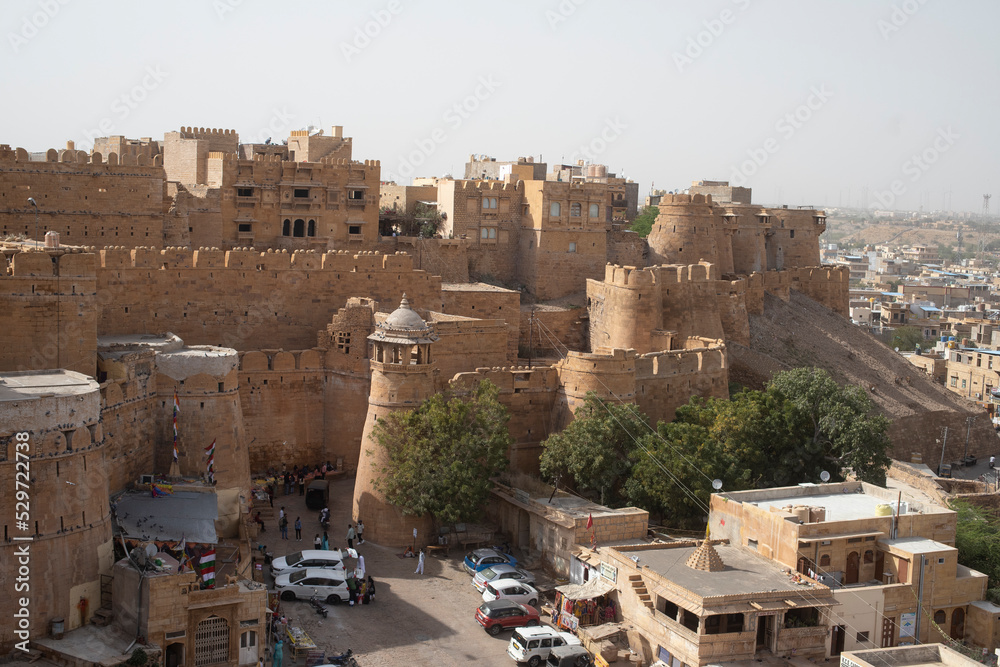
{"points": [[481, 559]]}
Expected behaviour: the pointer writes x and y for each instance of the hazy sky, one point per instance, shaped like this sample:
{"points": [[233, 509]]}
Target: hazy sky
{"points": [[808, 102]]}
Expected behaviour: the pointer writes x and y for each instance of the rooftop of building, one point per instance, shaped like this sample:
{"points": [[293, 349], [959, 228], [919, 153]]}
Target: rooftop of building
{"points": [[30, 385], [922, 655], [917, 545], [745, 572], [843, 501], [188, 515]]}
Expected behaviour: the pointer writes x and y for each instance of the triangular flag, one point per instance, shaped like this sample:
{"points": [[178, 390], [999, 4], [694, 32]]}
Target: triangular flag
{"points": [[590, 521]]}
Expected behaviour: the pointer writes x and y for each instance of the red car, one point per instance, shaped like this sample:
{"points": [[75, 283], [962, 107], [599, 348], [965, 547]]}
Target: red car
{"points": [[502, 614]]}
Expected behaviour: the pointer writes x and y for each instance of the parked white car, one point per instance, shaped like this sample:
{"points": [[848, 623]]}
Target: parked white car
{"points": [[533, 645], [329, 585], [498, 572], [308, 558], [511, 589]]}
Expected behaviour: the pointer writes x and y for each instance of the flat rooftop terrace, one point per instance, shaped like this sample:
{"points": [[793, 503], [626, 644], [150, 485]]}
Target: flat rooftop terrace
{"points": [[845, 501], [745, 572], [27, 385]]}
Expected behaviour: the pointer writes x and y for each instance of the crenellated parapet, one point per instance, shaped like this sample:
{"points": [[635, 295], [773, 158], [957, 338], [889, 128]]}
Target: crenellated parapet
{"points": [[71, 160], [207, 133], [172, 258]]}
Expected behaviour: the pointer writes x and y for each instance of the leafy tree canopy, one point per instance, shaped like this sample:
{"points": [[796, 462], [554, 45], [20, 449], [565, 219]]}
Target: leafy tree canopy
{"points": [[443, 455], [643, 223], [594, 450], [977, 538], [842, 420], [907, 338], [802, 424]]}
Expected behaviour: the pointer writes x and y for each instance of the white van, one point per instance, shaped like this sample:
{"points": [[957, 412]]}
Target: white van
{"points": [[300, 560], [532, 645]]}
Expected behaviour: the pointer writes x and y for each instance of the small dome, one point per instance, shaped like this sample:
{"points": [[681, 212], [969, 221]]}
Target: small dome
{"points": [[405, 318]]}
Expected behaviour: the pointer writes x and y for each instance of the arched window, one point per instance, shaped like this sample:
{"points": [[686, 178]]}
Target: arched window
{"points": [[312, 228], [824, 560], [940, 616], [595, 210], [555, 209], [869, 556], [300, 228], [286, 227]]}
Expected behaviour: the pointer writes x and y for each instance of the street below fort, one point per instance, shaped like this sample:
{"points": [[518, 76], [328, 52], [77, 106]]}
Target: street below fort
{"points": [[415, 619]]}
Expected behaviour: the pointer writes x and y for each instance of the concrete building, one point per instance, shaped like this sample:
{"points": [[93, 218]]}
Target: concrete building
{"points": [[892, 566]]}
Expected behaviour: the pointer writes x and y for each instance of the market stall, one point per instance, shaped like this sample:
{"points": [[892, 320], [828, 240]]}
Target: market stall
{"points": [[584, 604]]}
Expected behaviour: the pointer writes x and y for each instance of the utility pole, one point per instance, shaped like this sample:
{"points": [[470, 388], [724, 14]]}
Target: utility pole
{"points": [[531, 326], [31, 200], [968, 428], [943, 445]]}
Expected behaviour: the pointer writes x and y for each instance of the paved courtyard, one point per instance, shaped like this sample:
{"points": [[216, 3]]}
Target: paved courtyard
{"points": [[416, 619]]}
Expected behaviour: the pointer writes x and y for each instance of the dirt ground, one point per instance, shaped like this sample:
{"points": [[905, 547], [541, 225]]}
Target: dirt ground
{"points": [[415, 620]]}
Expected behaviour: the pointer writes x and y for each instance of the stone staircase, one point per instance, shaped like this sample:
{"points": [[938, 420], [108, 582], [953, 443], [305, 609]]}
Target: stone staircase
{"points": [[639, 588], [102, 617]]}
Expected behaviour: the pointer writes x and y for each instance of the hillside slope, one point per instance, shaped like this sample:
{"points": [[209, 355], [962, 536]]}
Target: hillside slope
{"points": [[802, 332]]}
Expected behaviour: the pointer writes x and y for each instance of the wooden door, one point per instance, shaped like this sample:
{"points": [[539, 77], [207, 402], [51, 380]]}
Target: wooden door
{"points": [[888, 631], [851, 576]]}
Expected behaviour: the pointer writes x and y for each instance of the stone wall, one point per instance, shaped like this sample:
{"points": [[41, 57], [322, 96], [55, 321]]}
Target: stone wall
{"points": [[87, 199], [626, 248], [551, 331], [50, 301], [246, 299], [66, 512], [485, 302]]}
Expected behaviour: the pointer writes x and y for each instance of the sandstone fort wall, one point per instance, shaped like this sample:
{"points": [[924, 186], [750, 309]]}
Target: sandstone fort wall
{"points": [[87, 199], [247, 299], [50, 303]]}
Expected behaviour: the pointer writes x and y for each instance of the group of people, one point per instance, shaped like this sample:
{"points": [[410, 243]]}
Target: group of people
{"points": [[295, 477], [354, 532], [283, 524]]}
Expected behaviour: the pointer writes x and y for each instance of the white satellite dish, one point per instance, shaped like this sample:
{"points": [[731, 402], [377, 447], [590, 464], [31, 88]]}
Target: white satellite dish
{"points": [[151, 550], [825, 476], [716, 484]]}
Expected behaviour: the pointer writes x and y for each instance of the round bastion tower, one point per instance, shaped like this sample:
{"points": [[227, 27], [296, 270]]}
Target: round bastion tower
{"points": [[402, 378], [687, 231]]}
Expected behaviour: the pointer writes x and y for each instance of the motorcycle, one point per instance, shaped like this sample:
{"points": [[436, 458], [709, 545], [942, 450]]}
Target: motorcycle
{"points": [[345, 659], [317, 606]]}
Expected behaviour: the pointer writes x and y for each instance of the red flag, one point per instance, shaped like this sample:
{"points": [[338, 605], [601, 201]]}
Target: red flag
{"points": [[590, 521]]}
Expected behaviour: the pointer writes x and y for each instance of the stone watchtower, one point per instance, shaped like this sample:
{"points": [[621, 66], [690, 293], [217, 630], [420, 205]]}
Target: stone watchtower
{"points": [[402, 378]]}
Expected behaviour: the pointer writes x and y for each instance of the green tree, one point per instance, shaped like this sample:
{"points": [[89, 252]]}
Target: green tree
{"points": [[907, 338], [443, 455], [840, 420], [977, 538], [428, 219], [643, 223], [595, 449]]}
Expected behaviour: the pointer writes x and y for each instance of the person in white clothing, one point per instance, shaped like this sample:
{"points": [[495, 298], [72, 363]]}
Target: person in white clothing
{"points": [[420, 563]]}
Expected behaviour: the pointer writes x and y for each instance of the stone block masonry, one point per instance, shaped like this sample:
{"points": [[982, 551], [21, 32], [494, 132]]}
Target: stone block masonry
{"points": [[247, 299]]}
